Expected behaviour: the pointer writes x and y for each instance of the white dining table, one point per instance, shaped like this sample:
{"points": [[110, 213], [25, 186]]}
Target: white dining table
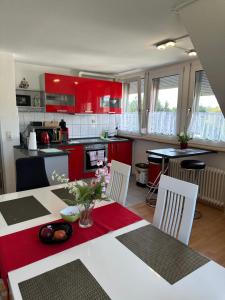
{"points": [[118, 270]]}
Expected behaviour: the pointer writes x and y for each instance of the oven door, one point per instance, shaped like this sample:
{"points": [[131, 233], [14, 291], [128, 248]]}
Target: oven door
{"points": [[93, 154]]}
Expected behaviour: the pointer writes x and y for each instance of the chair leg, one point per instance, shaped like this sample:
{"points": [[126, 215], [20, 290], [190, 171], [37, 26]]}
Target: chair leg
{"points": [[152, 188]]}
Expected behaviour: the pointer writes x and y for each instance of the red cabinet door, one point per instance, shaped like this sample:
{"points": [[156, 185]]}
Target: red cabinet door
{"points": [[86, 95], [116, 98], [59, 84], [75, 161], [59, 93], [120, 151]]}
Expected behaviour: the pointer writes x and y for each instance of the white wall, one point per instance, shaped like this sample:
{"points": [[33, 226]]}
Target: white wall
{"points": [[8, 118]]}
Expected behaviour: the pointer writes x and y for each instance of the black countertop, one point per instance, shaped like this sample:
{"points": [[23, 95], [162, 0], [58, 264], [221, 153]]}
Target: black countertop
{"points": [[72, 142]]}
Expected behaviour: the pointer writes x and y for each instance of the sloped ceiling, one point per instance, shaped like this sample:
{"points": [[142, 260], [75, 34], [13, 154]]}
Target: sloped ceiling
{"points": [[205, 23]]}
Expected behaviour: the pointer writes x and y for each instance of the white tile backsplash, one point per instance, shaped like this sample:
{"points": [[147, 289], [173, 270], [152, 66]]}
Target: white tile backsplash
{"points": [[79, 125]]}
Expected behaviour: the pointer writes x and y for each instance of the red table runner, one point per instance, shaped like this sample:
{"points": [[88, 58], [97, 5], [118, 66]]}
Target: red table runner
{"points": [[24, 247]]}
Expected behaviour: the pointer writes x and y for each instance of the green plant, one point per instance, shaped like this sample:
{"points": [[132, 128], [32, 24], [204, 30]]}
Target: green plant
{"points": [[183, 137]]}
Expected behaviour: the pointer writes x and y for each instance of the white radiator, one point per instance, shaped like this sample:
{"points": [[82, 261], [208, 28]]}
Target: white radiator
{"points": [[211, 182]]}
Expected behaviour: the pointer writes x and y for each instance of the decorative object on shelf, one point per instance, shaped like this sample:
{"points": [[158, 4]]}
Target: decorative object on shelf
{"points": [[183, 138], [86, 194], [24, 84]]}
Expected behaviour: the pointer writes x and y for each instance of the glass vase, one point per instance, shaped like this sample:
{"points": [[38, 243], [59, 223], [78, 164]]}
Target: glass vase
{"points": [[86, 219]]}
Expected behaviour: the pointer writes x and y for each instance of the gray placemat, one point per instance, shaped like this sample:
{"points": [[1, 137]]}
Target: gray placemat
{"points": [[63, 194], [70, 281], [22, 209], [167, 256]]}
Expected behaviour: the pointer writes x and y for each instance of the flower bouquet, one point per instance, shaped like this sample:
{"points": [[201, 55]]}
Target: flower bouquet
{"points": [[86, 194]]}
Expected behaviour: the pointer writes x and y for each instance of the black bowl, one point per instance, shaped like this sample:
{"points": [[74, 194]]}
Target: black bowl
{"points": [[55, 227]]}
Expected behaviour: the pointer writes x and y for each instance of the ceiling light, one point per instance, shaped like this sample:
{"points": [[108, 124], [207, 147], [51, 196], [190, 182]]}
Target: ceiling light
{"points": [[170, 44], [76, 82], [161, 46], [56, 80], [192, 53]]}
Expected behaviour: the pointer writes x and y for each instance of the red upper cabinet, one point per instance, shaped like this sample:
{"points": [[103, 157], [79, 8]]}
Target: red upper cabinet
{"points": [[98, 96], [59, 84], [86, 95], [59, 93]]}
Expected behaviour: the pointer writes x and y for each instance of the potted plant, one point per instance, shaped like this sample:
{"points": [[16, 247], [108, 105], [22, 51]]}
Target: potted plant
{"points": [[86, 194], [183, 138]]}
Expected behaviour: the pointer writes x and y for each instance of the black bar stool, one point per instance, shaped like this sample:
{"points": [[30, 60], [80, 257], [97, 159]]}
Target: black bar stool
{"points": [[196, 166], [155, 169]]}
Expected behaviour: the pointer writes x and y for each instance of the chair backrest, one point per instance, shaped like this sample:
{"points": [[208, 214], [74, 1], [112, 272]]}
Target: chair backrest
{"points": [[175, 207], [30, 173], [119, 181]]}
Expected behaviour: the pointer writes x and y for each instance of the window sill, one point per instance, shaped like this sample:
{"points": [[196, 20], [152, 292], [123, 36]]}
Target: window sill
{"points": [[207, 145]]}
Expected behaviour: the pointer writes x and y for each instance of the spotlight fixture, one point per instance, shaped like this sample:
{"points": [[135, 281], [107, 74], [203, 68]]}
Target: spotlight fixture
{"points": [[56, 80], [192, 53], [161, 46], [170, 44], [165, 44]]}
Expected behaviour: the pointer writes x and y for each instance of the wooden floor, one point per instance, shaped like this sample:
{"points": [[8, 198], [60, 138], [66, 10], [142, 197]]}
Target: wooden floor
{"points": [[208, 233]]}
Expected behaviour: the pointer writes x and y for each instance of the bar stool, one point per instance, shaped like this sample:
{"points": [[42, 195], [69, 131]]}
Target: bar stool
{"points": [[155, 169], [196, 166]]}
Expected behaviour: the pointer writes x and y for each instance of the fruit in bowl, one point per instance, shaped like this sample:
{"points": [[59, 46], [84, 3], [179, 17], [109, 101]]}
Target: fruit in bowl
{"points": [[70, 213]]}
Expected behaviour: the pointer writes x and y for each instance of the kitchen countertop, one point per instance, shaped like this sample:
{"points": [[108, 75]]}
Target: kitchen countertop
{"points": [[72, 142]]}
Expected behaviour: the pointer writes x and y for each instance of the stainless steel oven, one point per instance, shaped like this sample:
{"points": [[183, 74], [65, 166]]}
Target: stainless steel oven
{"points": [[92, 154]]}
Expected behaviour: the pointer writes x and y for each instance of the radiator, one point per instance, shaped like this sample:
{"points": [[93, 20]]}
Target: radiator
{"points": [[211, 182]]}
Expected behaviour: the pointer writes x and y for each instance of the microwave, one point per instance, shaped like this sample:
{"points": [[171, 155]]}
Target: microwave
{"points": [[23, 100]]}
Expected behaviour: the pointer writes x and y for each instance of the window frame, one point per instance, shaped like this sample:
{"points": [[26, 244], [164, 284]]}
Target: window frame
{"points": [[195, 67], [127, 81], [160, 73]]}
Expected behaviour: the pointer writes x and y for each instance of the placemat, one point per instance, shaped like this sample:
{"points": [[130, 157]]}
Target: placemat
{"points": [[63, 194], [167, 256], [22, 209], [70, 281]]}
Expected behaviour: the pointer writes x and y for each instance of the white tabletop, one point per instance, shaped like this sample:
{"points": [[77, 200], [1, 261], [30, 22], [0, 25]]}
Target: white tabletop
{"points": [[48, 199], [120, 272]]}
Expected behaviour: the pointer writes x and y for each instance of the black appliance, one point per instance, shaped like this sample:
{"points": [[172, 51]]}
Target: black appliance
{"points": [[92, 154]]}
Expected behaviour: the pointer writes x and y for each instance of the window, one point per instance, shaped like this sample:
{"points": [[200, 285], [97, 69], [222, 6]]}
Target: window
{"points": [[207, 120], [163, 112], [133, 91]]}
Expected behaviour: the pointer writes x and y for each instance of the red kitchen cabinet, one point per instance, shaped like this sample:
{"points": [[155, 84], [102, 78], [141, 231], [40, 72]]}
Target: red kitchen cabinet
{"points": [[59, 93], [86, 95], [120, 151], [110, 97], [59, 84], [75, 161], [97, 96]]}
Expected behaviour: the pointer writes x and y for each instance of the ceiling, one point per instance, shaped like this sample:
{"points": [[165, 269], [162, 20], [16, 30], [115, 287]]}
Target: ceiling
{"points": [[109, 36]]}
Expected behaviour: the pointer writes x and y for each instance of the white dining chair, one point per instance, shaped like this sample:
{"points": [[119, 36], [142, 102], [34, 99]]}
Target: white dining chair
{"points": [[119, 181], [175, 207]]}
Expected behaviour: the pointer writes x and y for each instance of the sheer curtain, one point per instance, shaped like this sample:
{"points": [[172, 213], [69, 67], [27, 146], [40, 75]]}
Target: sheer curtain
{"points": [[129, 119], [207, 121]]}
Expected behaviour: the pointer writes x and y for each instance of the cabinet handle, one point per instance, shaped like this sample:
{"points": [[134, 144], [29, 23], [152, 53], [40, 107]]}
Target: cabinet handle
{"points": [[111, 112], [89, 111], [61, 110]]}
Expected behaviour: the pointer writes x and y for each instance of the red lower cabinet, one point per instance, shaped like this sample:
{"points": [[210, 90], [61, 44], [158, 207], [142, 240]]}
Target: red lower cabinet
{"points": [[75, 161], [120, 151]]}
